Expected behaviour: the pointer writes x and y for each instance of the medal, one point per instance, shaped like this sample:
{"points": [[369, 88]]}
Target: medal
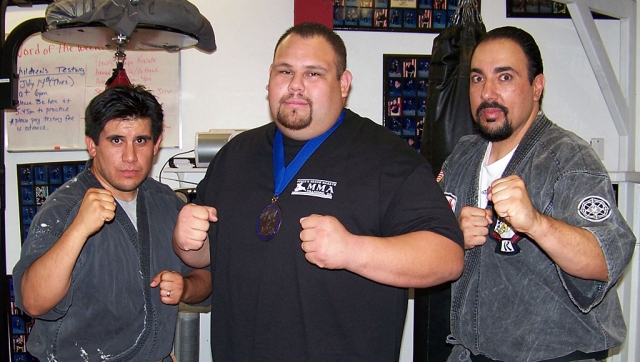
{"points": [[270, 217], [269, 221]]}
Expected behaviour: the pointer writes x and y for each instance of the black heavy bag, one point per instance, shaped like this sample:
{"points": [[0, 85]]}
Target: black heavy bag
{"points": [[448, 115]]}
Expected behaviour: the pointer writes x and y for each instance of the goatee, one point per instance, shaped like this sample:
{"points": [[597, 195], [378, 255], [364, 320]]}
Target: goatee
{"points": [[292, 119], [501, 133]]}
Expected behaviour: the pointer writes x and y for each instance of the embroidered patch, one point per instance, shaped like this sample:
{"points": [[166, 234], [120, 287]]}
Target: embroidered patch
{"points": [[506, 237], [594, 209], [316, 188], [452, 199]]}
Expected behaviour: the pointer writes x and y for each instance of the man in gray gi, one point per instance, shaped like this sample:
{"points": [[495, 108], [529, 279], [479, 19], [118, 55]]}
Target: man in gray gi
{"points": [[97, 269], [545, 243]]}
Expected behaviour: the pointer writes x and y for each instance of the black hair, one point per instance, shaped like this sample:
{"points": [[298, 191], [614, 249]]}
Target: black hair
{"points": [[309, 30], [123, 102]]}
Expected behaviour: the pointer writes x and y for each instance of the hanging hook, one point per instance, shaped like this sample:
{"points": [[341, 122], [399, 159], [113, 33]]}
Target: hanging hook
{"points": [[119, 75], [120, 40]]}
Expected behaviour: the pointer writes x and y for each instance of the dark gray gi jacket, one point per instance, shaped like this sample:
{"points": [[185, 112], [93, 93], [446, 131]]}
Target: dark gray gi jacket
{"points": [[520, 306], [110, 312]]}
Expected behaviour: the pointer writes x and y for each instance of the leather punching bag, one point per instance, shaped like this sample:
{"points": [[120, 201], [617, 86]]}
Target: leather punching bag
{"points": [[447, 118], [448, 115]]}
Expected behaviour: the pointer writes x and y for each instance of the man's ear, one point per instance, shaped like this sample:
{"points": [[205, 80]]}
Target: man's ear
{"points": [[91, 146], [156, 147], [345, 83], [538, 86], [267, 86]]}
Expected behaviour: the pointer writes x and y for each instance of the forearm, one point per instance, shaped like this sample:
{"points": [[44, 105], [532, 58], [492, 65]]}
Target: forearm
{"points": [[200, 258], [415, 260], [575, 250], [197, 286], [46, 282]]}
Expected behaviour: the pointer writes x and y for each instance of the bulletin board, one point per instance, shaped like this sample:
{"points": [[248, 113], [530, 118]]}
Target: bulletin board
{"points": [[57, 81]]}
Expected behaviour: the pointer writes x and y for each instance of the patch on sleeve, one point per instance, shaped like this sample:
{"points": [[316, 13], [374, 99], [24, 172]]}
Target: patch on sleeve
{"points": [[452, 199], [440, 176], [594, 209]]}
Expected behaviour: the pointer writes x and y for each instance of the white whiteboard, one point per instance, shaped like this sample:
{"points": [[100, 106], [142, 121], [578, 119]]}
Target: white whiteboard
{"points": [[57, 81]]}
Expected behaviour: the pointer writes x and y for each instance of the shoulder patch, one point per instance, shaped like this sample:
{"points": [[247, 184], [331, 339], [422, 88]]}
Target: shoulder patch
{"points": [[594, 209]]}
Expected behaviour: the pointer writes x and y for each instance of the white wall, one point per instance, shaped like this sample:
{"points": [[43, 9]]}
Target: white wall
{"points": [[226, 89]]}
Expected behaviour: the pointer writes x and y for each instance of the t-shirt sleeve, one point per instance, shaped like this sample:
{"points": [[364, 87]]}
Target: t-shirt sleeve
{"points": [[418, 204]]}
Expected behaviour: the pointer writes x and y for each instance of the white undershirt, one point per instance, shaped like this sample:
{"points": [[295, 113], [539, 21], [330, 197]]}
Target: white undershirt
{"points": [[490, 173], [130, 208]]}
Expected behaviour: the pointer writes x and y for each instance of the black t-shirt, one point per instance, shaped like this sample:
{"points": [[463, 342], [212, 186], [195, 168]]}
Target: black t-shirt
{"points": [[269, 302]]}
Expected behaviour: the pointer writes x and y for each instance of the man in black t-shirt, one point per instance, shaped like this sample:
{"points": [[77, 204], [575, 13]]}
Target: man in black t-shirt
{"points": [[313, 264]]}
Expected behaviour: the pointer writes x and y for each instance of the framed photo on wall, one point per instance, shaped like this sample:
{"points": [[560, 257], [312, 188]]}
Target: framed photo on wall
{"points": [[414, 16], [36, 181], [541, 9], [406, 78], [21, 324]]}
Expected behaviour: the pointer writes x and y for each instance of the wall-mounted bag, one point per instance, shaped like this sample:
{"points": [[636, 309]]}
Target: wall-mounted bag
{"points": [[447, 118], [448, 115]]}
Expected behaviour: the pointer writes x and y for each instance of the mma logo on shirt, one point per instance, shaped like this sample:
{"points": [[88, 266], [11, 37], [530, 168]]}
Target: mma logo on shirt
{"points": [[316, 188]]}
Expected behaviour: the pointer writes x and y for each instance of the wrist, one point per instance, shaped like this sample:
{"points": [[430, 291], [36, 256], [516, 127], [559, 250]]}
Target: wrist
{"points": [[539, 227]]}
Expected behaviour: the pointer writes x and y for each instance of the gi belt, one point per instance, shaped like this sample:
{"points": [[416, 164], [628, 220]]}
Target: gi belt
{"points": [[575, 356]]}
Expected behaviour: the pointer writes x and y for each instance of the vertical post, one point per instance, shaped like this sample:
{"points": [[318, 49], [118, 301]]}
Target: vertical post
{"points": [[8, 100]]}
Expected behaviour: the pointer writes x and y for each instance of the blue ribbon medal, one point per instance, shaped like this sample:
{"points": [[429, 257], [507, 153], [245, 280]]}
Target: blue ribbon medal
{"points": [[270, 218]]}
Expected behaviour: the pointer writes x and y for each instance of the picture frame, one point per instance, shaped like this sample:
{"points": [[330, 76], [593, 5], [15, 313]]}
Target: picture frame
{"points": [[36, 181], [405, 86], [541, 9], [413, 16], [21, 325]]}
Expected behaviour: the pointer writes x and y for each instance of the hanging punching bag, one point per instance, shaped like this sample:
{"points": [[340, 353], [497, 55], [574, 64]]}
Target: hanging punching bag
{"points": [[447, 118], [448, 115]]}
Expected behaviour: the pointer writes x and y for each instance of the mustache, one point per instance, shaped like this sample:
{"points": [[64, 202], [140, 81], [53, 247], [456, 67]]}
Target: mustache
{"points": [[292, 96], [485, 105]]}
